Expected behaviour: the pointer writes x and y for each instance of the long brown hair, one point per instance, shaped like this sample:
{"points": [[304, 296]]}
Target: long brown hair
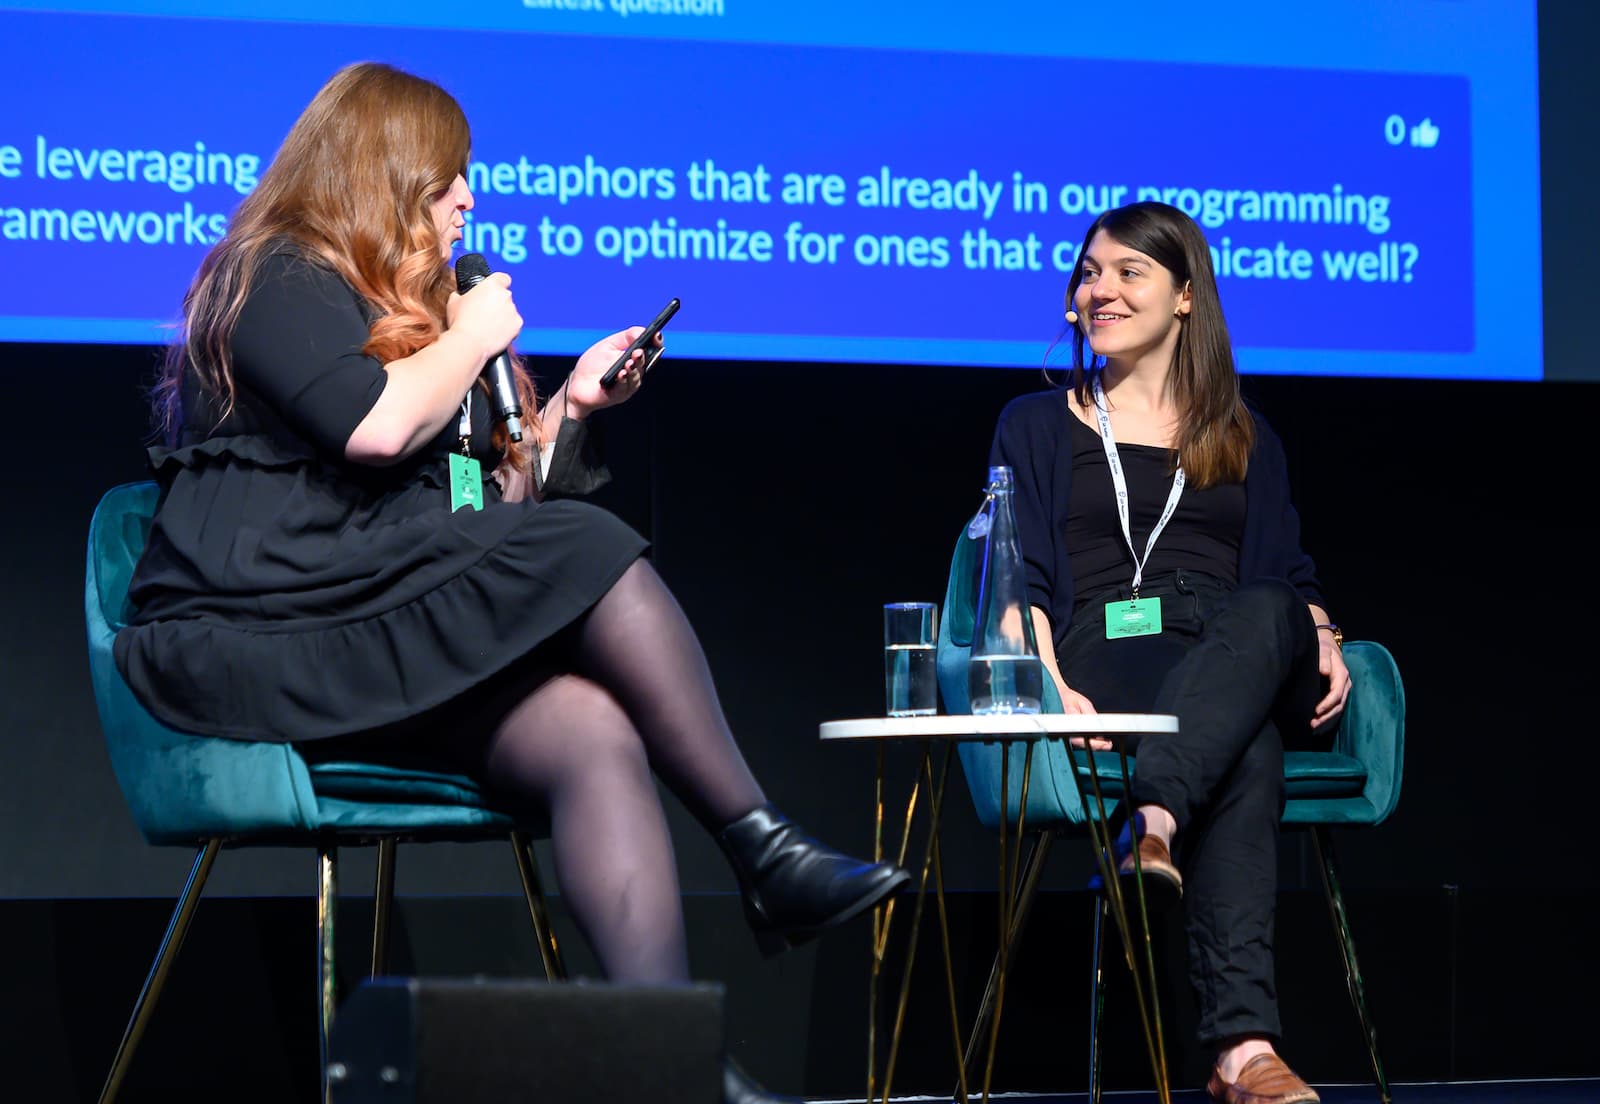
{"points": [[352, 186], [1215, 430]]}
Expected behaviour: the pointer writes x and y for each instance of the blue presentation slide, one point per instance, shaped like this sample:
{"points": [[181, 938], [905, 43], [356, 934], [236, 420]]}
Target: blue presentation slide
{"points": [[904, 184]]}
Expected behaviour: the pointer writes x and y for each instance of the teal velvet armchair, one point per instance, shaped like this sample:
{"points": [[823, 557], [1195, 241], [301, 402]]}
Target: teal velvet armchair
{"points": [[1356, 782], [209, 792]]}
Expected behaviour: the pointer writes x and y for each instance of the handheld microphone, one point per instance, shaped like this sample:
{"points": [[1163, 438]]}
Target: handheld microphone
{"points": [[471, 270]]}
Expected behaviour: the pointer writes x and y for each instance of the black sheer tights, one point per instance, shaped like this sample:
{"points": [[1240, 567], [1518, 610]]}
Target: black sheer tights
{"points": [[637, 643], [584, 742]]}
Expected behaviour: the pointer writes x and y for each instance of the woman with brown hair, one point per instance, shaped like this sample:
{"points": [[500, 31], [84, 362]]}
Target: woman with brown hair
{"points": [[1166, 575], [329, 565]]}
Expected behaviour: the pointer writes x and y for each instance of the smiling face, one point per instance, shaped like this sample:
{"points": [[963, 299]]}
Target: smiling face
{"points": [[448, 208], [1129, 304]]}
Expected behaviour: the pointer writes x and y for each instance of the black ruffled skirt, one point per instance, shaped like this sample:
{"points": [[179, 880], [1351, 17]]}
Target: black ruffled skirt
{"points": [[280, 600]]}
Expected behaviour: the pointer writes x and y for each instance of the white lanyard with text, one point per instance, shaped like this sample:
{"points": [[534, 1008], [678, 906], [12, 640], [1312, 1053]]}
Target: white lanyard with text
{"points": [[466, 473], [464, 426], [1137, 617]]}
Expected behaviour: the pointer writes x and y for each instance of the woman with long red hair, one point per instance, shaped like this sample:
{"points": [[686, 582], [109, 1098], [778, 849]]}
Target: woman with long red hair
{"points": [[330, 566]]}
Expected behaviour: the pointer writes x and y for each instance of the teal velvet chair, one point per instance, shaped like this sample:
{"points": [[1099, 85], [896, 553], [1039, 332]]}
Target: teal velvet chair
{"points": [[208, 792], [1356, 783]]}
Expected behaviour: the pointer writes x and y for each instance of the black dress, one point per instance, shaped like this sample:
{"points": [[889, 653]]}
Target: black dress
{"points": [[288, 594]]}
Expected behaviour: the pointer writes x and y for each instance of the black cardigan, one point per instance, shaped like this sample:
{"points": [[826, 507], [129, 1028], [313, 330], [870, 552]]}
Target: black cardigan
{"points": [[1033, 438]]}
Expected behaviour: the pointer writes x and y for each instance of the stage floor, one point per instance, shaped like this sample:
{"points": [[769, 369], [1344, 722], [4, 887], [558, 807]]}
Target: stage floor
{"points": [[1565, 1091]]}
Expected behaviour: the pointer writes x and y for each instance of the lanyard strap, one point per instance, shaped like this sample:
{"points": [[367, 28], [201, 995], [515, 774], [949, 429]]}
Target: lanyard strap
{"points": [[464, 426], [1120, 483]]}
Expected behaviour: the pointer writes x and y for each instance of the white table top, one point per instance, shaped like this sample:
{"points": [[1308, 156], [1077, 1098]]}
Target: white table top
{"points": [[997, 726]]}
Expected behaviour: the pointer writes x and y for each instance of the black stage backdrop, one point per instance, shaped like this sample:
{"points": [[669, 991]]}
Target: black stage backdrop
{"points": [[786, 502]]}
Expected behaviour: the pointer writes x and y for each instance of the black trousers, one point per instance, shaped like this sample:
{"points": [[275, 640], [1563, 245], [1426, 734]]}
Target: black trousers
{"points": [[1239, 669]]}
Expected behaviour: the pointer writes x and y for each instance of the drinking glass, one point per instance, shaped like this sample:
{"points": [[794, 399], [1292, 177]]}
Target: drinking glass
{"points": [[909, 674]]}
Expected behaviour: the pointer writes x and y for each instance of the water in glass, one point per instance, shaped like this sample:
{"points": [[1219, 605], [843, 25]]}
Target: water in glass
{"points": [[910, 679]]}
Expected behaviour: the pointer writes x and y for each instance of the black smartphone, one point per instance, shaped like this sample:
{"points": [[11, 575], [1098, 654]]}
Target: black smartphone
{"points": [[644, 341]]}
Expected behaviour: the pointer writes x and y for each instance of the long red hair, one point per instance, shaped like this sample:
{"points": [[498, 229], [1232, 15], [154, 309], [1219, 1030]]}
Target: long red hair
{"points": [[353, 186]]}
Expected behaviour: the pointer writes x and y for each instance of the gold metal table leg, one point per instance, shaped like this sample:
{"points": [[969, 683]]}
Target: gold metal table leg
{"points": [[1032, 870], [1010, 872], [1008, 883], [880, 915], [949, 974], [935, 807], [1100, 836]]}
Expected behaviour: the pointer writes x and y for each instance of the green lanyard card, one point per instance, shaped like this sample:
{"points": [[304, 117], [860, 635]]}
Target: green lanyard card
{"points": [[466, 482], [1135, 617]]}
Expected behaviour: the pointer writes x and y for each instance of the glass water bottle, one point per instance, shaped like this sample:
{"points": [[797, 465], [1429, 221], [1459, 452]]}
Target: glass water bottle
{"points": [[1004, 674]]}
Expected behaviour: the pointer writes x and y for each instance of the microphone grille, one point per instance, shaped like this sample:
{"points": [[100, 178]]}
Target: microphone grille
{"points": [[471, 270]]}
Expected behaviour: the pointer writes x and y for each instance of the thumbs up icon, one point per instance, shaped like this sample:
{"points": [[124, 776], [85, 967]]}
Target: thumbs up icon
{"points": [[1425, 135]]}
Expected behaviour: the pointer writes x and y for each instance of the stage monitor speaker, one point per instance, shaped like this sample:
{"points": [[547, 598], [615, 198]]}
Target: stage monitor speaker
{"points": [[424, 1041]]}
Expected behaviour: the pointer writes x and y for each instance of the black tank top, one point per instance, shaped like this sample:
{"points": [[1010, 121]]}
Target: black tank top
{"points": [[1203, 534]]}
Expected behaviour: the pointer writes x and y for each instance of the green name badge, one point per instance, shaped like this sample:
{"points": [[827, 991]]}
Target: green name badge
{"points": [[1135, 617], [466, 482]]}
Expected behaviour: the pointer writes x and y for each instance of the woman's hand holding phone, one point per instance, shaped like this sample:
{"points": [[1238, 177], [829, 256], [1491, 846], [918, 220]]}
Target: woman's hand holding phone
{"points": [[622, 358], [648, 342]]}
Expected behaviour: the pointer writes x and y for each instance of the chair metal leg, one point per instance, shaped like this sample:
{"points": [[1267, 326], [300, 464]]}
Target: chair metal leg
{"points": [[382, 906], [528, 870], [327, 896], [1097, 994], [171, 944], [1347, 951], [1032, 869]]}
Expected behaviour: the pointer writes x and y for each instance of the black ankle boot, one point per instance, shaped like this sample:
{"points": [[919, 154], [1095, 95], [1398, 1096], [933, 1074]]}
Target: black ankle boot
{"points": [[738, 1088], [794, 887]]}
